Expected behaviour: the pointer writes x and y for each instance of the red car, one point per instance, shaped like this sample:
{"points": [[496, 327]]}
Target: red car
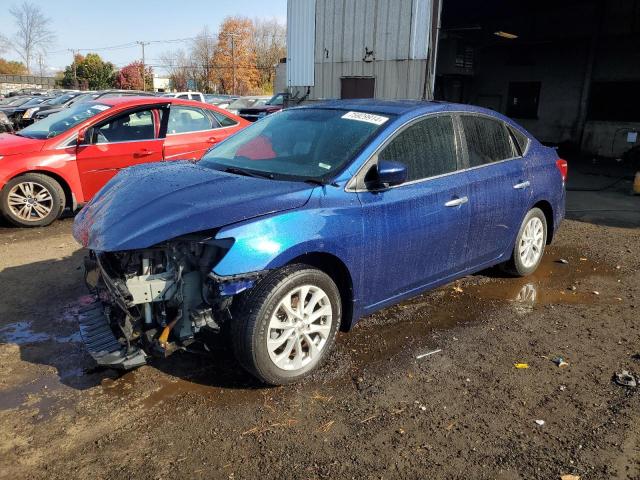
{"points": [[63, 160]]}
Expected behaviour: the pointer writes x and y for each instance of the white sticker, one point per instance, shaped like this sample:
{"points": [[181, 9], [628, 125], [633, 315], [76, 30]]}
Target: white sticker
{"points": [[325, 166], [101, 107], [365, 117]]}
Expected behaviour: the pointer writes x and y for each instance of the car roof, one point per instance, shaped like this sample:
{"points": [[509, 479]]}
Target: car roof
{"points": [[403, 107], [133, 100]]}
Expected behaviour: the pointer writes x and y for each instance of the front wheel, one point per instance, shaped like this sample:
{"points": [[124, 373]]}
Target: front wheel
{"points": [[529, 246], [285, 327], [32, 200]]}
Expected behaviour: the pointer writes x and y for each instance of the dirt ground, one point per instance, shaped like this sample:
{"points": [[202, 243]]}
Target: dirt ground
{"points": [[378, 410]]}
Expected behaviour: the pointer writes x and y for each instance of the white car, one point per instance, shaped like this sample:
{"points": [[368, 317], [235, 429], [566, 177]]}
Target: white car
{"points": [[197, 96]]}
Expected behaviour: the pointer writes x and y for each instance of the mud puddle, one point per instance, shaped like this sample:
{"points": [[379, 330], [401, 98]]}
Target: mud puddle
{"points": [[411, 328], [413, 325]]}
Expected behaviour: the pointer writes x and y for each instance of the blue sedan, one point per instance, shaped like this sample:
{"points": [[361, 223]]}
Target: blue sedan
{"points": [[302, 223]]}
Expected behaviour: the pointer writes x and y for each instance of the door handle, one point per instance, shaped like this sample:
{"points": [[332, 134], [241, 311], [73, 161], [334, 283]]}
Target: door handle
{"points": [[456, 202], [212, 140], [522, 185], [142, 153]]}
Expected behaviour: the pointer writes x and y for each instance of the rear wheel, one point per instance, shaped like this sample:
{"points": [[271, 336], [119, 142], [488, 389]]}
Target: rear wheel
{"points": [[285, 327], [32, 200], [529, 246]]}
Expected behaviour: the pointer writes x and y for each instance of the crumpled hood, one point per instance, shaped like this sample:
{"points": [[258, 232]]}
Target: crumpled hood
{"points": [[147, 204], [13, 144]]}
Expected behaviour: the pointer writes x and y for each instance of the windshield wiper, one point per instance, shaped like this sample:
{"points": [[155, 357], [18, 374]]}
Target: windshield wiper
{"points": [[249, 173]]}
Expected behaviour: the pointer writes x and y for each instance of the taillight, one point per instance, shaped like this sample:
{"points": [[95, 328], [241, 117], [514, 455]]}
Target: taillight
{"points": [[562, 166]]}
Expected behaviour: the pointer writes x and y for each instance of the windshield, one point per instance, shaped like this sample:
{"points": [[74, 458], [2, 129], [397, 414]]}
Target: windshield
{"points": [[301, 144], [60, 122], [60, 100], [276, 100], [18, 101], [34, 101]]}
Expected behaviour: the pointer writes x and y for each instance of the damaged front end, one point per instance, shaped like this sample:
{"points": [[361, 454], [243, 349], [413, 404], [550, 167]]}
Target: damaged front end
{"points": [[154, 301]]}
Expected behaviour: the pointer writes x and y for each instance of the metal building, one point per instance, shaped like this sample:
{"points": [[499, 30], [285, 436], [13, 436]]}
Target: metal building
{"points": [[361, 48]]}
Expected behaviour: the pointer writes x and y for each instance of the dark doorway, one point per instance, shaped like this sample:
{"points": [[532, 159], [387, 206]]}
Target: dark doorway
{"points": [[357, 87], [523, 99]]}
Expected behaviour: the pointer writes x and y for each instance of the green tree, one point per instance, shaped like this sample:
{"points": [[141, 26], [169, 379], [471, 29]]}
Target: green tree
{"points": [[91, 71]]}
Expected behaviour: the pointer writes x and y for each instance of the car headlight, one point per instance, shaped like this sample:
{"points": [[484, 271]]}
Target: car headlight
{"points": [[30, 111], [3, 117]]}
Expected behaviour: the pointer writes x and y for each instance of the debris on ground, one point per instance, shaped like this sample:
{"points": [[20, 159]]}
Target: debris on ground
{"points": [[626, 379], [560, 362], [573, 288], [563, 260], [570, 477], [595, 292], [457, 289], [422, 355], [521, 365], [540, 422]]}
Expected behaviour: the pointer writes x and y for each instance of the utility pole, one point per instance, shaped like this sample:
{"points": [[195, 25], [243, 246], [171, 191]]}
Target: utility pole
{"points": [[233, 59], [75, 70], [144, 83]]}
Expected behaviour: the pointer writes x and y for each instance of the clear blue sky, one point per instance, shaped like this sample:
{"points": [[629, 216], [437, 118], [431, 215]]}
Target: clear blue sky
{"points": [[103, 23]]}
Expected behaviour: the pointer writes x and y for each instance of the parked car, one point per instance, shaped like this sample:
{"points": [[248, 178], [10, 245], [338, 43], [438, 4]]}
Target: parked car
{"points": [[256, 112], [246, 102], [219, 100], [64, 159], [307, 220], [61, 101], [196, 96], [15, 114], [6, 125], [89, 96]]}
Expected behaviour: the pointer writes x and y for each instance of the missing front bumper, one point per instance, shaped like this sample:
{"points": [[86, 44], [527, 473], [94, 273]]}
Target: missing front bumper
{"points": [[102, 344]]}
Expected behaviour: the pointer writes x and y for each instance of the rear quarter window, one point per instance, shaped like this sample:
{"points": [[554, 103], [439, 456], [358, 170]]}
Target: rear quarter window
{"points": [[223, 120], [487, 140]]}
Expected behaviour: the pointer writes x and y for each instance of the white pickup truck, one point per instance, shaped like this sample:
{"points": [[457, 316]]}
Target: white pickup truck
{"points": [[197, 96]]}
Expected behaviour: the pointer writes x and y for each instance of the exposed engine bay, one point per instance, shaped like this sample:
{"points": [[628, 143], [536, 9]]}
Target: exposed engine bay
{"points": [[157, 300]]}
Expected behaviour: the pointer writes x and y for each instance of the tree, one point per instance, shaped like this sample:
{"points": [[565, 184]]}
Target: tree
{"points": [[130, 77], [4, 44], [269, 44], [33, 31], [202, 51], [91, 71], [235, 58], [9, 67], [178, 66]]}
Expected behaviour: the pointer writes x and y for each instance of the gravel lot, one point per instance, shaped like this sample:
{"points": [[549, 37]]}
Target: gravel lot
{"points": [[376, 411]]}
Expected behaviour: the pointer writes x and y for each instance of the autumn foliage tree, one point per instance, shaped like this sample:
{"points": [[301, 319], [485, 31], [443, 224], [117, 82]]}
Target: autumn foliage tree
{"points": [[234, 58], [130, 77], [10, 67]]}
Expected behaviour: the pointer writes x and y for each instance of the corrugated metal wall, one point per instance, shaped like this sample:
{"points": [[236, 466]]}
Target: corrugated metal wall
{"points": [[386, 39], [301, 24]]}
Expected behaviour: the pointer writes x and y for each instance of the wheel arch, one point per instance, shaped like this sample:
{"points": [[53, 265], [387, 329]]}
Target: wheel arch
{"points": [[339, 273], [547, 209]]}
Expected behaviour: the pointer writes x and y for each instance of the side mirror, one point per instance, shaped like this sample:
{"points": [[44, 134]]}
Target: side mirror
{"points": [[82, 136], [391, 173]]}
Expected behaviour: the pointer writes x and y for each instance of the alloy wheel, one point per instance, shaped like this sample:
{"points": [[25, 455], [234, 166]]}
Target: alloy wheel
{"points": [[531, 242], [30, 201], [299, 328]]}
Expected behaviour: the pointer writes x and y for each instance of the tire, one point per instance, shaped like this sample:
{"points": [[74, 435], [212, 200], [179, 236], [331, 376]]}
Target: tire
{"points": [[259, 310], [46, 197], [522, 263]]}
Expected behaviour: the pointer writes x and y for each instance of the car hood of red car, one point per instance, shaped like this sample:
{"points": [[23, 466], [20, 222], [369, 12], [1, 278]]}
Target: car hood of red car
{"points": [[11, 144]]}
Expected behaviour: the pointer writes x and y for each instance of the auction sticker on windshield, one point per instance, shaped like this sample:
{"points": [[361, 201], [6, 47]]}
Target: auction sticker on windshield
{"points": [[366, 117]]}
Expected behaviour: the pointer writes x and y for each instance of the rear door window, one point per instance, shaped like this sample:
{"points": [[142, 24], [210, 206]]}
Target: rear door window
{"points": [[487, 140], [427, 148], [187, 119]]}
